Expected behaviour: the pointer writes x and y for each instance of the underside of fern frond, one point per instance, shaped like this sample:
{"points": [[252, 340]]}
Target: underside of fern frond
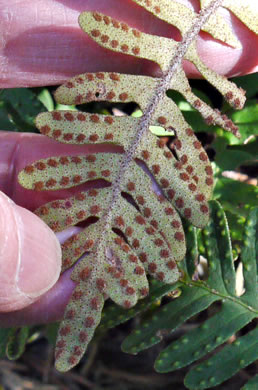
{"points": [[129, 239]]}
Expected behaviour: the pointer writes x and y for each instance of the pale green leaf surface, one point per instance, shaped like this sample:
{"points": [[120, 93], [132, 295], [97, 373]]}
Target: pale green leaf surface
{"points": [[45, 98], [181, 16], [153, 48]]}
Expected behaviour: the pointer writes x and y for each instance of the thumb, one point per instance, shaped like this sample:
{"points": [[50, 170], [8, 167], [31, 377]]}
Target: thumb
{"points": [[30, 256]]}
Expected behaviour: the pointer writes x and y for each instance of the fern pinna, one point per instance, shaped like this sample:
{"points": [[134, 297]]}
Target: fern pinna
{"points": [[197, 295], [144, 235]]}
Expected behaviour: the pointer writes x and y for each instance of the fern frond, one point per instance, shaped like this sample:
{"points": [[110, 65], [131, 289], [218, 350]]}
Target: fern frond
{"points": [[252, 384], [234, 314], [130, 239], [115, 315]]}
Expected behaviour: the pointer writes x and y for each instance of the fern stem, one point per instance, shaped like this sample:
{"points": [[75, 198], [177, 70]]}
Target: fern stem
{"points": [[222, 296], [163, 85]]}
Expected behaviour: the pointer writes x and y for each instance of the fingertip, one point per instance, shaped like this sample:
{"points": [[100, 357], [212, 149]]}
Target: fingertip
{"points": [[30, 256], [40, 254]]}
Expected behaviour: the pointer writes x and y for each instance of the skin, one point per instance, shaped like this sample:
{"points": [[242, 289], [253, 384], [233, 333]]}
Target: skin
{"points": [[31, 290]]}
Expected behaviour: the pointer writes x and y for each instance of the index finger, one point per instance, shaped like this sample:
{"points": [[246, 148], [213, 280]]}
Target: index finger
{"points": [[43, 44], [20, 149]]}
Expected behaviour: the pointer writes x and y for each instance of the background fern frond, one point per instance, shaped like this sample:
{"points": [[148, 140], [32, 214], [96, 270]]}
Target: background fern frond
{"points": [[234, 314]]}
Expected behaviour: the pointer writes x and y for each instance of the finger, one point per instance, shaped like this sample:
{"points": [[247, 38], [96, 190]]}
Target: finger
{"points": [[43, 44], [30, 257], [51, 306], [20, 149], [48, 308]]}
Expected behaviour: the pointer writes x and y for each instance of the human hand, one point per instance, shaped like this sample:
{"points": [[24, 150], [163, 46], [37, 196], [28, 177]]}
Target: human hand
{"points": [[42, 253], [42, 43], [27, 54], [30, 254]]}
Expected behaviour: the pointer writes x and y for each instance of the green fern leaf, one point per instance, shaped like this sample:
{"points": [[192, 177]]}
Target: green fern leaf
{"points": [[115, 315], [204, 339], [21, 107], [235, 313], [4, 336], [225, 363], [252, 384], [17, 339], [168, 318]]}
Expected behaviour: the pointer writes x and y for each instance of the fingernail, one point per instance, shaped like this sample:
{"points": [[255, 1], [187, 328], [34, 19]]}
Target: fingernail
{"points": [[40, 254]]}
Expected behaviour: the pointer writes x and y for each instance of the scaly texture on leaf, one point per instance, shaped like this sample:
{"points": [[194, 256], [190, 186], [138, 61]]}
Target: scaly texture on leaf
{"points": [[137, 231]]}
